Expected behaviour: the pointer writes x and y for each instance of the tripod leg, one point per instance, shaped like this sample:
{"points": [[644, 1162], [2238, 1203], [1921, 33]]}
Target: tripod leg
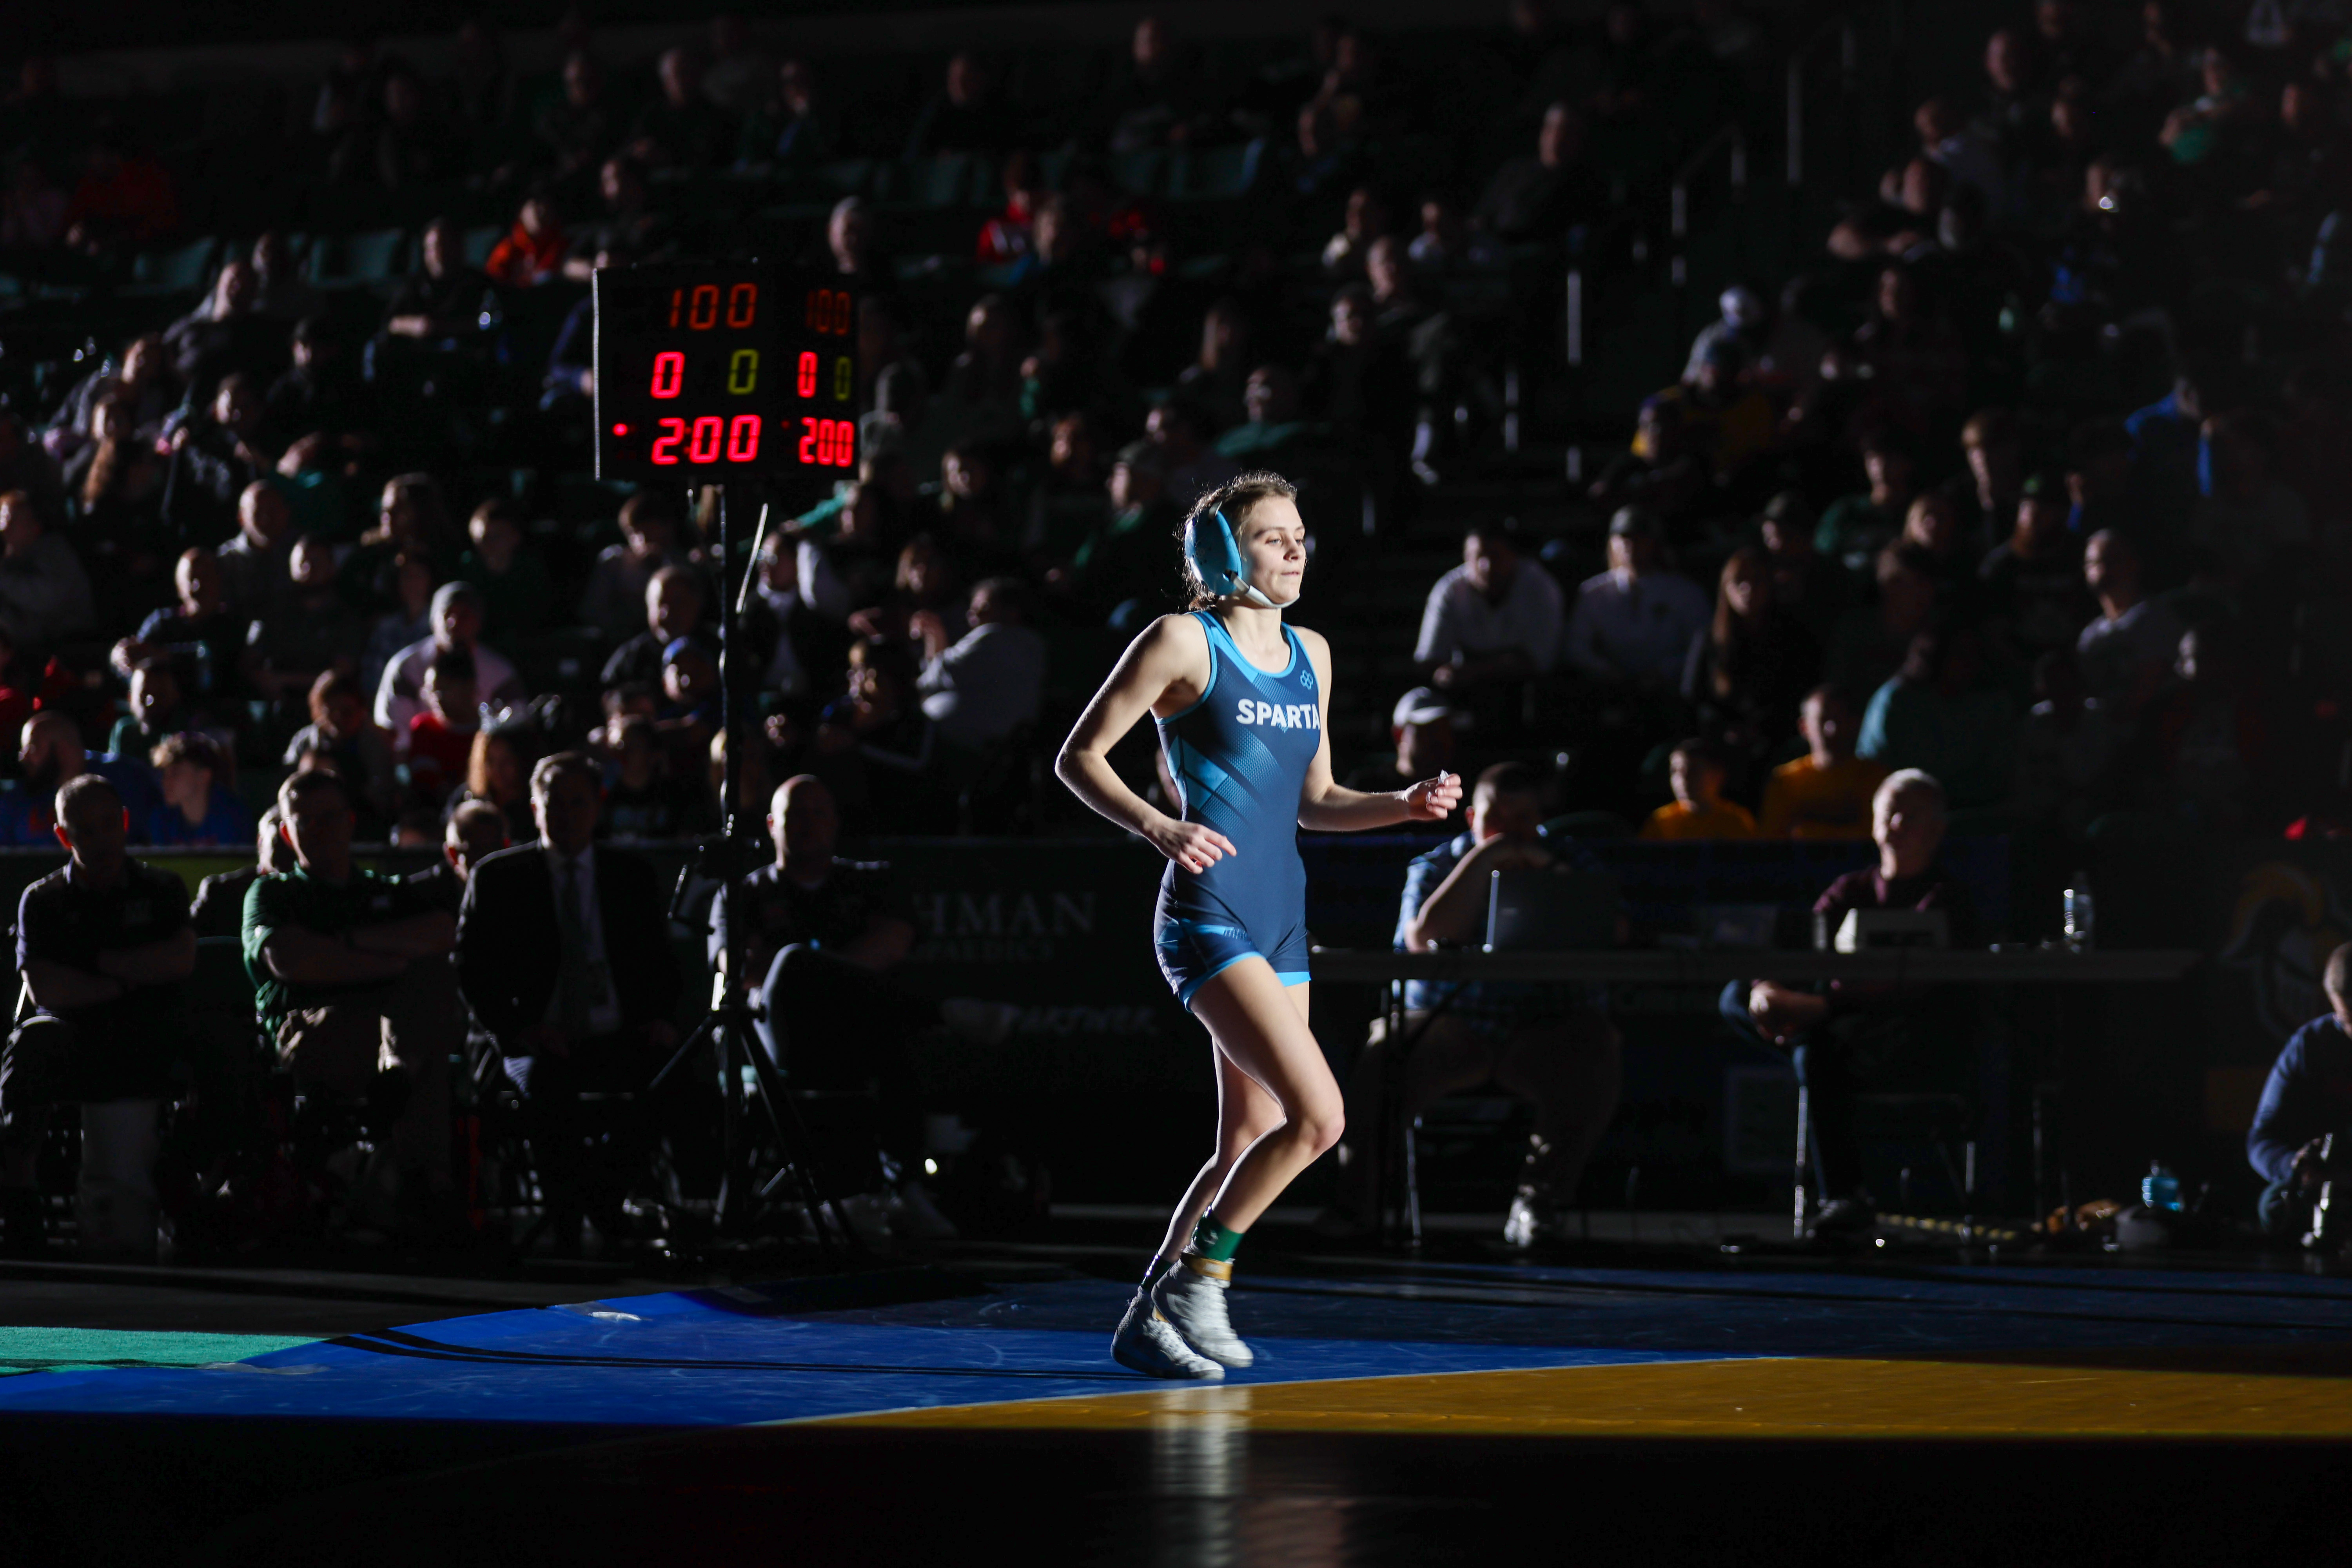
{"points": [[687, 1047], [800, 1149]]}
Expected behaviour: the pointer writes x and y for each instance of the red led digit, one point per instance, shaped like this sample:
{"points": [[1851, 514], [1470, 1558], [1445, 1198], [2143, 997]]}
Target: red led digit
{"points": [[807, 379], [705, 314], [669, 374], [808, 441], [743, 438], [702, 446], [664, 450], [841, 312], [844, 441], [676, 298], [741, 300]]}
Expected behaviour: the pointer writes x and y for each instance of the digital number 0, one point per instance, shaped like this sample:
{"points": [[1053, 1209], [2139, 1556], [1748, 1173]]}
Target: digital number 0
{"points": [[743, 370], [669, 374], [743, 438]]}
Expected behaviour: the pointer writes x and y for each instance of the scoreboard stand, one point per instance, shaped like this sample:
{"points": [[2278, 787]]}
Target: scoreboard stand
{"points": [[719, 375]]}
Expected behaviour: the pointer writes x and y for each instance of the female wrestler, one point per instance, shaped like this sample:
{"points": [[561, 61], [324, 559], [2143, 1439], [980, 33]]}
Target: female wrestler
{"points": [[1240, 701]]}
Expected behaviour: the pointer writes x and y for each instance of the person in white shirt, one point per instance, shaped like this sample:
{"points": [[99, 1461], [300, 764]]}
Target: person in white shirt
{"points": [[457, 624], [1492, 620], [1635, 621], [2127, 651], [989, 681]]}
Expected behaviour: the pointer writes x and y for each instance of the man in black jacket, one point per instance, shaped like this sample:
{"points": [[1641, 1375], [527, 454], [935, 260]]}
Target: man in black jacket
{"points": [[563, 954]]}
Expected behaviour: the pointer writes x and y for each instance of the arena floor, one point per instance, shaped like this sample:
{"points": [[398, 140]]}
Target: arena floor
{"points": [[1653, 1406]]}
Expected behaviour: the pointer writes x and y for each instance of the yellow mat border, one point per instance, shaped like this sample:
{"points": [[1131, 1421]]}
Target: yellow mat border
{"points": [[1792, 1397]]}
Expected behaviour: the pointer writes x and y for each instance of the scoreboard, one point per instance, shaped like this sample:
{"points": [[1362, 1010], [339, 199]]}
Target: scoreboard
{"points": [[707, 374]]}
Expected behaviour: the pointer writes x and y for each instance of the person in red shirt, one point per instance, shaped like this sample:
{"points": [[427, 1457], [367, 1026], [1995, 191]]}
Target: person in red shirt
{"points": [[532, 250], [441, 737], [121, 200]]}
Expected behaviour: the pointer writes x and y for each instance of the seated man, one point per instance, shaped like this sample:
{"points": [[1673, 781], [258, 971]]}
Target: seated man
{"points": [[1547, 1044], [102, 946], [51, 753], [353, 984], [1844, 1033], [1494, 619], [1826, 793], [456, 626], [979, 689], [821, 936], [672, 609], [475, 831], [220, 898], [2308, 1096], [1635, 622], [1422, 727], [563, 953]]}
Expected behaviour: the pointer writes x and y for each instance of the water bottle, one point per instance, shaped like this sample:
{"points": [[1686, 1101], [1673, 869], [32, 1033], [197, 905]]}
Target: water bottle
{"points": [[2081, 915], [2326, 1225], [2160, 1189]]}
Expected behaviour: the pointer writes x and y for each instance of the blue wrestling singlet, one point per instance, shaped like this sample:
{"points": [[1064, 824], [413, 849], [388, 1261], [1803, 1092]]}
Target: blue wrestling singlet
{"points": [[1239, 757]]}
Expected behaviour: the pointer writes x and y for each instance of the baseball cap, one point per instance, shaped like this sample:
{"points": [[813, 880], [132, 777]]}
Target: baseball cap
{"points": [[1419, 706]]}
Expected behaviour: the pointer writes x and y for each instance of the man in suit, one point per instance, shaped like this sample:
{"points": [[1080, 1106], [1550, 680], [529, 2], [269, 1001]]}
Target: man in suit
{"points": [[563, 953]]}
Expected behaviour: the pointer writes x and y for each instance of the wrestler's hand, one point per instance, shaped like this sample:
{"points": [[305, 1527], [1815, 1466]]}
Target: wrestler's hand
{"points": [[1189, 844], [1433, 800]]}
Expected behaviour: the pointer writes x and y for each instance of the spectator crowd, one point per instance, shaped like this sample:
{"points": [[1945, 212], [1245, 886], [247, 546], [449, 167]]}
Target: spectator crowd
{"points": [[2030, 478], [2019, 479], [331, 508]]}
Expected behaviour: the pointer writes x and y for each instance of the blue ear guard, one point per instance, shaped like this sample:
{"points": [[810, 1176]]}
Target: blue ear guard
{"points": [[1217, 557]]}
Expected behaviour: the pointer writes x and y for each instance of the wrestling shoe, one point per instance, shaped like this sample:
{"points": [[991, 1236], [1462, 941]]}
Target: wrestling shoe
{"points": [[1150, 1344], [1191, 1296]]}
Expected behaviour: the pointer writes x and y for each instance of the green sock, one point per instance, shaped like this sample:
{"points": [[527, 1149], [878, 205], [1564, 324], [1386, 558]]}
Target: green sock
{"points": [[1211, 1241]]}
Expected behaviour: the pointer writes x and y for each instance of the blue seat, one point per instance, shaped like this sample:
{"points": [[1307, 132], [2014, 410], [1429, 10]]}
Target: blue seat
{"points": [[1215, 173], [378, 256], [1139, 173], [178, 268], [847, 176], [940, 181]]}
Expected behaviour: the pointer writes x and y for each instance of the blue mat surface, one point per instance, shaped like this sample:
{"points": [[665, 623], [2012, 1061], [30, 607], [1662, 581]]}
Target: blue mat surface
{"points": [[749, 1354]]}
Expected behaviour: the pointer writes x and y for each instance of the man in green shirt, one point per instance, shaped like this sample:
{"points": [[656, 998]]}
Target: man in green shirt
{"points": [[353, 982]]}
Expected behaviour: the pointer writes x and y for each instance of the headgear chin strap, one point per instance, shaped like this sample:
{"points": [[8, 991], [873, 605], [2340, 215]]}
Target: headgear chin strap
{"points": [[1218, 559]]}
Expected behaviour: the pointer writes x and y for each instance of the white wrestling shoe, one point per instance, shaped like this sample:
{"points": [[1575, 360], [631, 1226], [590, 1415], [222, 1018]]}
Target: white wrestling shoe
{"points": [[1191, 1296], [1150, 1344]]}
